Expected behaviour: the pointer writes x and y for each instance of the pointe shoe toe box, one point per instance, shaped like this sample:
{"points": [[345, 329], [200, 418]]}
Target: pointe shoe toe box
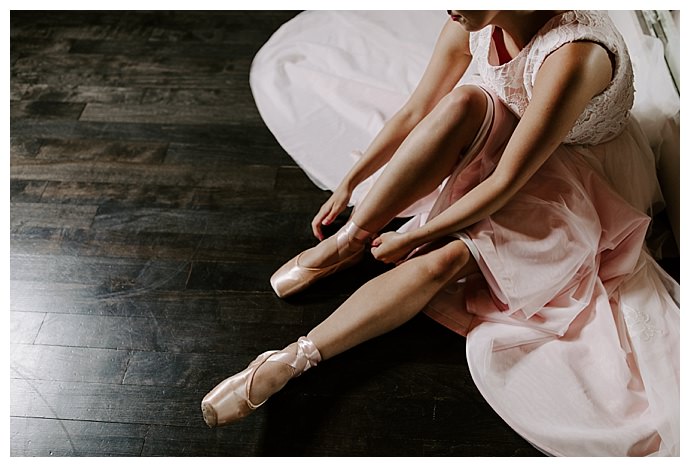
{"points": [[210, 417], [292, 277], [282, 281]]}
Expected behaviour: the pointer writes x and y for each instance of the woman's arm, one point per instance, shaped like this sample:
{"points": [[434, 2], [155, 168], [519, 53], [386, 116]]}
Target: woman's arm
{"points": [[448, 63], [565, 84]]}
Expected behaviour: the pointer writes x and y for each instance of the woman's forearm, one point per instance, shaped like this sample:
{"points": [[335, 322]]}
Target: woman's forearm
{"points": [[480, 202], [383, 146]]}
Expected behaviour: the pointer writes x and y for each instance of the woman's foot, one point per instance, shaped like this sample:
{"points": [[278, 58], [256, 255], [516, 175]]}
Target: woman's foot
{"points": [[343, 249], [326, 253], [270, 378], [241, 394]]}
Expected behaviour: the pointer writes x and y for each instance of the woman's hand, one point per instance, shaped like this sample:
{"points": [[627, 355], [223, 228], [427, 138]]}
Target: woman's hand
{"points": [[330, 210], [391, 247]]}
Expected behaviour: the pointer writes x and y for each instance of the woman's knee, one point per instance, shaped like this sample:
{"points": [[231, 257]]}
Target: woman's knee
{"points": [[463, 101], [446, 262]]}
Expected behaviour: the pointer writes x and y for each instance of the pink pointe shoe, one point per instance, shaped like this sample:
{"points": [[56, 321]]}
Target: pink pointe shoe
{"points": [[229, 401], [293, 277]]}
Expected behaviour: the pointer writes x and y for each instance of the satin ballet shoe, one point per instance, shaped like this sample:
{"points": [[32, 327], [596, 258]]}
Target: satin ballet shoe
{"points": [[292, 277], [229, 401]]}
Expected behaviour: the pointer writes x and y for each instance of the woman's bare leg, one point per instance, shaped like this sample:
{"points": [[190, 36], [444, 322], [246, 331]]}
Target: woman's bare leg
{"points": [[379, 306], [431, 149]]}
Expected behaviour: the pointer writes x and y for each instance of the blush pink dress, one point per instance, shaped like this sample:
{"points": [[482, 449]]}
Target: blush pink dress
{"points": [[572, 328], [572, 336]]}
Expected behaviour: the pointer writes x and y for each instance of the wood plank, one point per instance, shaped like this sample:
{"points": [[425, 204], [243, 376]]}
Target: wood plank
{"points": [[80, 299], [98, 332], [240, 47], [250, 276], [45, 110], [130, 244], [58, 363], [39, 46], [291, 178], [106, 403], [31, 296], [234, 222], [24, 215], [94, 70], [246, 177], [244, 439], [180, 441], [286, 416], [171, 114], [41, 437], [109, 275], [227, 246], [215, 134], [159, 334], [24, 326], [246, 149], [349, 375], [102, 150], [230, 27], [394, 419], [212, 307], [71, 92], [127, 195], [26, 191], [235, 277], [507, 444], [175, 26], [300, 203], [230, 96], [60, 25], [24, 146], [17, 90]]}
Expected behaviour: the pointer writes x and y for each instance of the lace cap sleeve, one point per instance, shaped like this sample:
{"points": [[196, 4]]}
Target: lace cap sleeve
{"points": [[608, 112]]}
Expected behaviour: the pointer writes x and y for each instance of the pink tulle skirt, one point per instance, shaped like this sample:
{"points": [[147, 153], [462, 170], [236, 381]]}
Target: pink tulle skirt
{"points": [[572, 334]]}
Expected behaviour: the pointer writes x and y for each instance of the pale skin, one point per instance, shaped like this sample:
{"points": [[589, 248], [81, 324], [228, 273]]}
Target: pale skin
{"points": [[426, 136]]}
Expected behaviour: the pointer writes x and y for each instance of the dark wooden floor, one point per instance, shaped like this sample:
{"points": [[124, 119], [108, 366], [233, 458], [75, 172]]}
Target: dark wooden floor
{"points": [[149, 207]]}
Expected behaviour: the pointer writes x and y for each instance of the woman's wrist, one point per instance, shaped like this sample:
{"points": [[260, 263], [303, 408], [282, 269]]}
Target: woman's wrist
{"points": [[413, 239], [423, 235], [349, 183]]}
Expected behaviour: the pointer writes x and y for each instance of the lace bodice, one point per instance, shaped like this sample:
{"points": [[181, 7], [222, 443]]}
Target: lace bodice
{"points": [[513, 82]]}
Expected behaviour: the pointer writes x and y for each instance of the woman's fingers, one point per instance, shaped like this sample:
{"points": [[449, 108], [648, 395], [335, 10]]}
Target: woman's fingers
{"points": [[326, 216], [319, 221], [330, 210], [390, 247]]}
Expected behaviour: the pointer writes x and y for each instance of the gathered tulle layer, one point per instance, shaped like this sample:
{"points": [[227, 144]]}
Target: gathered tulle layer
{"points": [[568, 308]]}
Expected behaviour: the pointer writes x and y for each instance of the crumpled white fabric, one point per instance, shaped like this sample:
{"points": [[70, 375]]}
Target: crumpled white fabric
{"points": [[337, 76]]}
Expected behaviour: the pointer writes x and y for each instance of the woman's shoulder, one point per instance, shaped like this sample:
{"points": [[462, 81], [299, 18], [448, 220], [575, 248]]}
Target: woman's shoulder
{"points": [[574, 26], [577, 25], [608, 111]]}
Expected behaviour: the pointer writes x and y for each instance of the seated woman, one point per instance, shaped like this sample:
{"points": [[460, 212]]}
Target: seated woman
{"points": [[528, 250]]}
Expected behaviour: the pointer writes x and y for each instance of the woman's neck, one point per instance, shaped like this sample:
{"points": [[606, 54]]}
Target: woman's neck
{"points": [[521, 26]]}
